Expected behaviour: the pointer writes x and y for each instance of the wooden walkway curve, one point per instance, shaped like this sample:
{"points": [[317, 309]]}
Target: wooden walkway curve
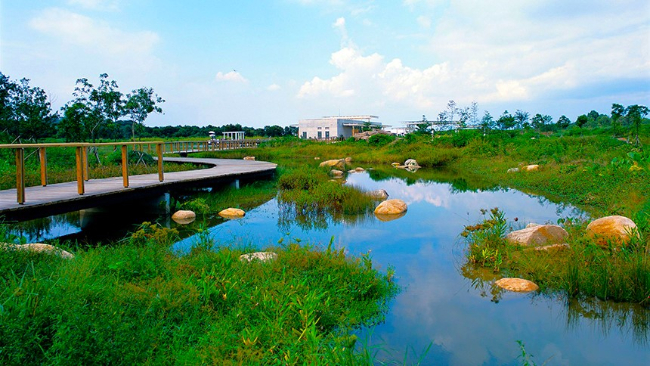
{"points": [[64, 197]]}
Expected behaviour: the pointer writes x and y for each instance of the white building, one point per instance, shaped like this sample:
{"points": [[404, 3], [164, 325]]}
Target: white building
{"points": [[334, 127]]}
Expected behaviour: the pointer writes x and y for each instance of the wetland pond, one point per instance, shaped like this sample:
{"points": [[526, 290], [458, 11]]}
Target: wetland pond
{"points": [[445, 306]]}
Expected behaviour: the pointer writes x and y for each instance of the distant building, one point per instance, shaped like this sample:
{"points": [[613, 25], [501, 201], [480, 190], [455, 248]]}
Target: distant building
{"points": [[334, 127], [399, 131]]}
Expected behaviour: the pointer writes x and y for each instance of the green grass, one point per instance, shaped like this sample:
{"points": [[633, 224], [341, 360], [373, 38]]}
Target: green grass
{"points": [[140, 303], [310, 198], [584, 269]]}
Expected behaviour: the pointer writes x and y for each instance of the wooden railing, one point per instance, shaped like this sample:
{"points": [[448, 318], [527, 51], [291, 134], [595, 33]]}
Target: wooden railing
{"points": [[176, 147], [81, 160]]}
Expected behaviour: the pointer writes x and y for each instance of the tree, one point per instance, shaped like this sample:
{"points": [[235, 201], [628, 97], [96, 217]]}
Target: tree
{"points": [[104, 104], [71, 127], [487, 122], [463, 117], [25, 111], [582, 120], [273, 131], [506, 121], [451, 106], [618, 111], [474, 114], [442, 120], [563, 122], [290, 131], [424, 127], [34, 112], [635, 114], [521, 119], [7, 90], [139, 105], [539, 121]]}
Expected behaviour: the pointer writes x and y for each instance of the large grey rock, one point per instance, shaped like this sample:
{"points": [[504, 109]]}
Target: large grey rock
{"points": [[379, 194], [538, 235]]}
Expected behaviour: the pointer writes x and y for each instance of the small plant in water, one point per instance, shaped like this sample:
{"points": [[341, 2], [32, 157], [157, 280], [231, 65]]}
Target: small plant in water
{"points": [[486, 238]]}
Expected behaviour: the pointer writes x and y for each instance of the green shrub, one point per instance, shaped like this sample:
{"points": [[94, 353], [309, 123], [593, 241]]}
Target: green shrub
{"points": [[380, 140], [133, 157]]}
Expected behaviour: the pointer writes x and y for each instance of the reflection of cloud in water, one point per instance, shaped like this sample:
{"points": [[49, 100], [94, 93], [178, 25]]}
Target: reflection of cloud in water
{"points": [[468, 204]]}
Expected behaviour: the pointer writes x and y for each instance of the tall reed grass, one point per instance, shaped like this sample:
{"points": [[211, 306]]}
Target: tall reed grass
{"points": [[140, 303]]}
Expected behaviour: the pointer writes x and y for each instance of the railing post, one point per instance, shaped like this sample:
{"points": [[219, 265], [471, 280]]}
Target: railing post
{"points": [[20, 175], [84, 157], [125, 166], [159, 151], [43, 156], [80, 169]]}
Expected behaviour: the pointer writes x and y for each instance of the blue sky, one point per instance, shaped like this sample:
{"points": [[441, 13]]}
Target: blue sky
{"points": [[277, 61]]}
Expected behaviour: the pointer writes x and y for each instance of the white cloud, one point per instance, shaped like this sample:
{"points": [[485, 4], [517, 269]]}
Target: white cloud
{"points": [[496, 53], [93, 35], [273, 87], [233, 76], [356, 70], [96, 4], [424, 21]]}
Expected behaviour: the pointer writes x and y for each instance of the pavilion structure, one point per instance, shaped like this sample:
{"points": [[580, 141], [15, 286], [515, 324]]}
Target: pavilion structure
{"points": [[233, 135]]}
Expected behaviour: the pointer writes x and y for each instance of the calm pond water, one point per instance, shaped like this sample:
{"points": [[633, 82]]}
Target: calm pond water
{"points": [[444, 304]]}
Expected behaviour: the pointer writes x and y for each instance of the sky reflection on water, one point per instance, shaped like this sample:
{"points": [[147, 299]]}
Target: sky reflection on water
{"points": [[458, 316], [439, 306]]}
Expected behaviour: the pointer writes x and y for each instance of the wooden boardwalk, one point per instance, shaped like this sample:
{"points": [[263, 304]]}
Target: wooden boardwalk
{"points": [[64, 197]]}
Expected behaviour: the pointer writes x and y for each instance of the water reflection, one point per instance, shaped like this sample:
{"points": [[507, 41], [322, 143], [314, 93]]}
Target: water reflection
{"points": [[453, 309]]}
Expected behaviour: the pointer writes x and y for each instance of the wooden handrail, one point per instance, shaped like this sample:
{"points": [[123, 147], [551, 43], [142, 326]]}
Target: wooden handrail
{"points": [[81, 157], [172, 147]]}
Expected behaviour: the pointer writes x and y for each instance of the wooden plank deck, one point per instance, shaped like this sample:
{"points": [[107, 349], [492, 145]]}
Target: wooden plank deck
{"points": [[63, 197]]}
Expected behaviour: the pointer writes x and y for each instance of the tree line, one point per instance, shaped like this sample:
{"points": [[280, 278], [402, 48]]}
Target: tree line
{"points": [[102, 111], [99, 111], [453, 116]]}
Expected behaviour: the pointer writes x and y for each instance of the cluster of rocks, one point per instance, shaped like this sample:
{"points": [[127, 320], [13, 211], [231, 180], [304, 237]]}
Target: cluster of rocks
{"points": [[524, 168], [616, 230], [335, 163], [367, 134], [610, 230], [185, 217], [259, 256], [410, 165]]}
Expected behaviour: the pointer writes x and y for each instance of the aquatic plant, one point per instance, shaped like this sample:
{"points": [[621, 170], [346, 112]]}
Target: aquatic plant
{"points": [[138, 303], [580, 269]]}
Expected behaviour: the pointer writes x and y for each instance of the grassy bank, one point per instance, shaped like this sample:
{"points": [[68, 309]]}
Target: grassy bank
{"points": [[140, 303], [595, 172], [580, 269], [591, 170]]}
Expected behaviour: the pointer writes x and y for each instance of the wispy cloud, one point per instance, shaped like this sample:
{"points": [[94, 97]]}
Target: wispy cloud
{"points": [[530, 55], [232, 76], [96, 4], [93, 35]]}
